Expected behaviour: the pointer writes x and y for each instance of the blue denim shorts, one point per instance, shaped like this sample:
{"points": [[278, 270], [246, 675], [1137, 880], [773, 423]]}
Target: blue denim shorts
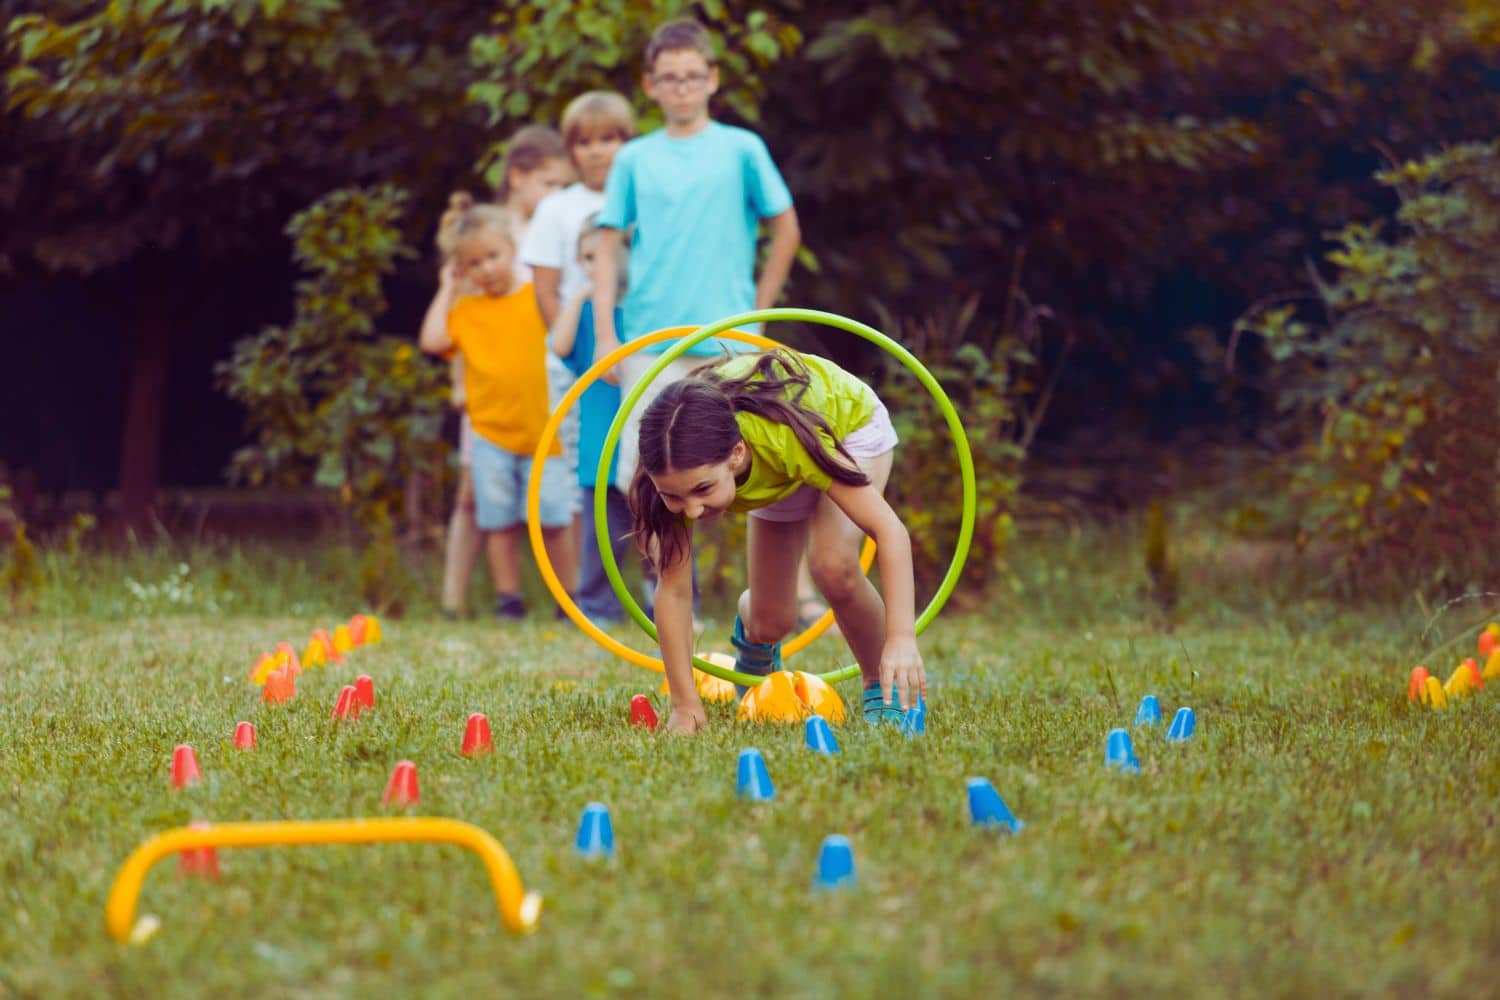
{"points": [[500, 482]]}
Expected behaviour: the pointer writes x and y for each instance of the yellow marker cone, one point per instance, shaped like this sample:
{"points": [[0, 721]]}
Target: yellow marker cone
{"points": [[1459, 683], [372, 630], [262, 669], [773, 700], [818, 695], [314, 657], [1493, 628], [343, 642], [1435, 695], [1492, 667]]}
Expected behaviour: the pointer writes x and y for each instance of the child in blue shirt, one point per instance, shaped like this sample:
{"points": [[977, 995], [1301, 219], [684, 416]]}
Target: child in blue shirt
{"points": [[696, 192]]}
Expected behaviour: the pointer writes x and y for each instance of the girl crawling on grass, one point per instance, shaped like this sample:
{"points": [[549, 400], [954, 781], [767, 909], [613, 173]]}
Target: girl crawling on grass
{"points": [[806, 448]]}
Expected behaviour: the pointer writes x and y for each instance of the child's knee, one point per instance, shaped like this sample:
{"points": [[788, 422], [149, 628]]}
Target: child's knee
{"points": [[836, 576]]}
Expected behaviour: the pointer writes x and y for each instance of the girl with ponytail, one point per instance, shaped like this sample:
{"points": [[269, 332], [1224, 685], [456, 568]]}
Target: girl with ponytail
{"points": [[805, 448]]}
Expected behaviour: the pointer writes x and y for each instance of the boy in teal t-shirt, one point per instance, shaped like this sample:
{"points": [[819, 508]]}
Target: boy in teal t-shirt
{"points": [[695, 193]]}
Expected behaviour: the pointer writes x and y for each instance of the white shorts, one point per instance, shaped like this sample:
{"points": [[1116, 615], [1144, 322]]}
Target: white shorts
{"points": [[872, 440]]}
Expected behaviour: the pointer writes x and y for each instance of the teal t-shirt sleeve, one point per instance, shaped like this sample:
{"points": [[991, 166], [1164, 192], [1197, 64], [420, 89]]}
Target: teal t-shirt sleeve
{"points": [[763, 182], [619, 192]]}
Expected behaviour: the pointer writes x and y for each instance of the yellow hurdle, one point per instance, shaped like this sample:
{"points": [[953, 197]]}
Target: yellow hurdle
{"points": [[519, 909]]}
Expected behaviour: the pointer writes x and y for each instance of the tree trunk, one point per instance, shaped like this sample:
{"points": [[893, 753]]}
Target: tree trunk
{"points": [[145, 405]]}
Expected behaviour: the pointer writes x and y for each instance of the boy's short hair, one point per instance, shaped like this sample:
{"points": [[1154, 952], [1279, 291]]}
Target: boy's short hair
{"points": [[594, 112], [683, 33]]}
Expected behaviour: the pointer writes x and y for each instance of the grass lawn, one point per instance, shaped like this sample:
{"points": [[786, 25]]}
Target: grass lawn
{"points": [[1316, 835]]}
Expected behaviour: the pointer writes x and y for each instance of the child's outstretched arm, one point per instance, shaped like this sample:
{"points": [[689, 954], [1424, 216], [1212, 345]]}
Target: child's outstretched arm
{"points": [[565, 327], [434, 337], [674, 626], [786, 236], [901, 666]]}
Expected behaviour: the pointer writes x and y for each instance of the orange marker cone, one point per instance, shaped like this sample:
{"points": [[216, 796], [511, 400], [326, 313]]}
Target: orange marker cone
{"points": [[1435, 695], [280, 687], [1476, 676], [244, 736], [401, 791], [641, 712], [287, 656], [201, 862], [357, 630], [342, 642], [372, 630], [364, 690], [262, 669], [347, 706], [1417, 686], [477, 739], [331, 652], [1487, 643], [315, 655], [185, 767]]}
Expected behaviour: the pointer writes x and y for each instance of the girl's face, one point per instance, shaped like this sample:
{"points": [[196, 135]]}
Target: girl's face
{"points": [[703, 493], [586, 244], [487, 258], [529, 187], [593, 152]]}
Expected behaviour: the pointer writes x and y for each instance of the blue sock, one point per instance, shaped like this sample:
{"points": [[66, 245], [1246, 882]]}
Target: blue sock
{"points": [[760, 658], [878, 710]]}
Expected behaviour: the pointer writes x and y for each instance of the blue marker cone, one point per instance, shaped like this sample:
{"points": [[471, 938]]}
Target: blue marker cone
{"points": [[835, 864], [1118, 752], [1183, 724], [753, 781], [914, 722], [596, 834], [820, 735], [1149, 714], [987, 808]]}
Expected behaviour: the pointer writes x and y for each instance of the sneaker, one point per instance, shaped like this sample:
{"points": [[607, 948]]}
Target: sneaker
{"points": [[511, 607], [759, 658], [879, 711]]}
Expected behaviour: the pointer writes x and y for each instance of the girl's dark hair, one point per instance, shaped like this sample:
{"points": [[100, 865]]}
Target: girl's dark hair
{"points": [[691, 423], [528, 149]]}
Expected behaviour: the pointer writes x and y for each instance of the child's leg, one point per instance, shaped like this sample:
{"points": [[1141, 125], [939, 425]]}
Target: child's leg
{"points": [[462, 550], [834, 562], [768, 608], [504, 548]]}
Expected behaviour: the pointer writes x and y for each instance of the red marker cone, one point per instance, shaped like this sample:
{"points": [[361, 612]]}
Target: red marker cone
{"points": [[330, 652], [1487, 643], [202, 862], [477, 738], [401, 791], [641, 712], [348, 704], [1417, 686], [364, 691], [1476, 676], [185, 767], [244, 736], [357, 629]]}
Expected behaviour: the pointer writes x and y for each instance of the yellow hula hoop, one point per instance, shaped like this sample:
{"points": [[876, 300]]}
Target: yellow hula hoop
{"points": [[534, 503]]}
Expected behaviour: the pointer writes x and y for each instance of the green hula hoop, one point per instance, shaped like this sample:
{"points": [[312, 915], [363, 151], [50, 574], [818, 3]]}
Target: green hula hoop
{"points": [[955, 429]]}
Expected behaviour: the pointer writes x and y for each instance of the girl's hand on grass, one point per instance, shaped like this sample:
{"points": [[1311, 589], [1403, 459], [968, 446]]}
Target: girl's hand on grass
{"points": [[687, 720], [902, 672]]}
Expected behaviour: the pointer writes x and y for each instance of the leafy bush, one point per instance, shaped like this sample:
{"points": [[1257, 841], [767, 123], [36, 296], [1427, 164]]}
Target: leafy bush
{"points": [[990, 370], [331, 401], [1402, 475]]}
